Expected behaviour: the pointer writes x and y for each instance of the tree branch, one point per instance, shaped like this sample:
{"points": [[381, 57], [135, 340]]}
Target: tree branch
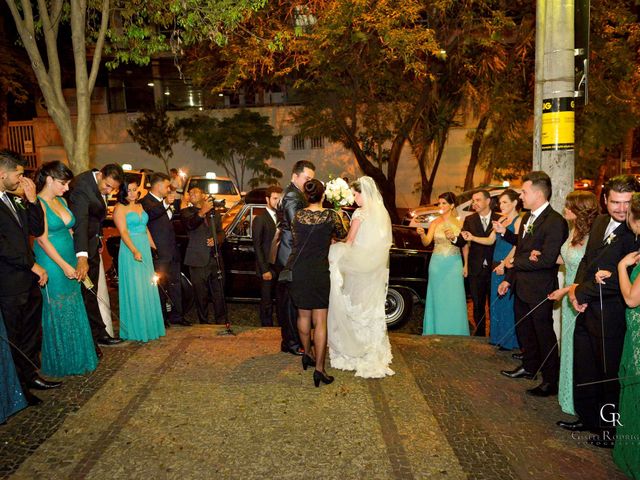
{"points": [[97, 53]]}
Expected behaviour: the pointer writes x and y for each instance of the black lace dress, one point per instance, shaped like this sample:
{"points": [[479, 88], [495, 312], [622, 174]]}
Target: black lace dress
{"points": [[309, 263]]}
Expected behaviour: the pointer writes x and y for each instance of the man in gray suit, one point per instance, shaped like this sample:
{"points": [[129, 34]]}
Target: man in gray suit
{"points": [[200, 255]]}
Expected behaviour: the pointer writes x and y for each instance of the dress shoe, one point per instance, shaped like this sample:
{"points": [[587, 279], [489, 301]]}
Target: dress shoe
{"points": [[167, 324], [307, 361], [107, 341], [292, 350], [576, 426], [99, 353], [544, 390], [519, 372], [319, 376], [184, 322], [503, 349], [517, 356], [31, 399], [39, 383]]}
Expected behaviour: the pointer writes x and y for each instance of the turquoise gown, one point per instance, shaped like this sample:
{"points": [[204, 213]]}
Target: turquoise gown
{"points": [[445, 311], [571, 256], [140, 311], [503, 331], [626, 452], [11, 397], [67, 344]]}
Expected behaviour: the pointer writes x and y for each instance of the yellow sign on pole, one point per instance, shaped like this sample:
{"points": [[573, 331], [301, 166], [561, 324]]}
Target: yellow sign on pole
{"points": [[558, 124]]}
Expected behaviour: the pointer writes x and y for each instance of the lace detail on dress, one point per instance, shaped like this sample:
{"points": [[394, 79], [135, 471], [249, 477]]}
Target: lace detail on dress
{"points": [[442, 245], [317, 217], [359, 214]]}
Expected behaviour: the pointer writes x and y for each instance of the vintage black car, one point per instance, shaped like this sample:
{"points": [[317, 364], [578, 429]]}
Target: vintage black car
{"points": [[408, 261]]}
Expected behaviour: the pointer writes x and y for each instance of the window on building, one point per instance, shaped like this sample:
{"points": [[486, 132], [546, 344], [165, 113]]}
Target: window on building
{"points": [[317, 142], [297, 142]]}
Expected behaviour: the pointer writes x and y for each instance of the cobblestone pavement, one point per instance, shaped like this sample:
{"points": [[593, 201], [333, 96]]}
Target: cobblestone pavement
{"points": [[199, 405]]}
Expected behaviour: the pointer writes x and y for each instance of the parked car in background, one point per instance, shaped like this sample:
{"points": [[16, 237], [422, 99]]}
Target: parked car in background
{"points": [[423, 215], [222, 188]]}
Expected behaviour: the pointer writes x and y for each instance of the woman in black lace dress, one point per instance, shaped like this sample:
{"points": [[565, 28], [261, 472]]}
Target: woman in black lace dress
{"points": [[313, 228]]}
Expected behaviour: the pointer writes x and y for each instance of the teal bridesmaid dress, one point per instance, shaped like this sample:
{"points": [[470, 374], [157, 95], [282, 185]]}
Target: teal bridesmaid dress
{"points": [[67, 344], [11, 396], [140, 311]]}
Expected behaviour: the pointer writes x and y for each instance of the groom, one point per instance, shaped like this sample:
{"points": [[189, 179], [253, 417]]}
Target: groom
{"points": [[292, 200], [20, 277], [88, 202]]}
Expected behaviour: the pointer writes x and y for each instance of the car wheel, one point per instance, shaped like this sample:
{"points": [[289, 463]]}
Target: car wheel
{"points": [[398, 306], [188, 295]]}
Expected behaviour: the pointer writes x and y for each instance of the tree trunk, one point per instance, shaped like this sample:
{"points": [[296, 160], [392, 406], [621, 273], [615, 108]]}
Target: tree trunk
{"points": [[478, 137], [427, 183]]}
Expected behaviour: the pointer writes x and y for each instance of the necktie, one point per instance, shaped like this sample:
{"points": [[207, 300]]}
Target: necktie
{"points": [[5, 199], [485, 222], [610, 228]]}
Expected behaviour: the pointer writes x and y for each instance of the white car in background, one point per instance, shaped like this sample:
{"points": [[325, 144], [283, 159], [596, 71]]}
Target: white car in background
{"points": [[221, 188], [423, 215]]}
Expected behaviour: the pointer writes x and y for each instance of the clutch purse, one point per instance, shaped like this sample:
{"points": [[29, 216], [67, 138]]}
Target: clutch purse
{"points": [[286, 275]]}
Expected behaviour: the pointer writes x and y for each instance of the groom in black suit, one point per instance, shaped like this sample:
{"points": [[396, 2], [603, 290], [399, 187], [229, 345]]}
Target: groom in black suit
{"points": [[158, 204], [532, 279], [600, 330], [20, 277], [478, 258], [262, 233], [88, 202]]}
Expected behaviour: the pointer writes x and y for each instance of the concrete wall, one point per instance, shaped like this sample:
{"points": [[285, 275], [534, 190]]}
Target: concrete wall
{"points": [[111, 143]]}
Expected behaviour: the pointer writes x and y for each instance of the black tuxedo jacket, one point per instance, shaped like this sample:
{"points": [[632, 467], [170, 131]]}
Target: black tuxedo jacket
{"points": [[198, 253], [89, 207], [16, 255], [161, 228], [533, 281], [478, 253], [602, 254], [263, 231], [292, 201]]}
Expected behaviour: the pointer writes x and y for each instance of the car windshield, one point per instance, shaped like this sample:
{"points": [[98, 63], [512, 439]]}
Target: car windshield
{"points": [[230, 215], [214, 186]]}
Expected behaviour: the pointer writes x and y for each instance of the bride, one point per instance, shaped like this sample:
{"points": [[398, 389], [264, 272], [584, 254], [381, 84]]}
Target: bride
{"points": [[356, 324]]}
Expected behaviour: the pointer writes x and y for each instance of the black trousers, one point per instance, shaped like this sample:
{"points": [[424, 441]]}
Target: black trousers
{"points": [[208, 289], [170, 282], [480, 288], [538, 340], [266, 299], [287, 316], [91, 302], [23, 319], [594, 361]]}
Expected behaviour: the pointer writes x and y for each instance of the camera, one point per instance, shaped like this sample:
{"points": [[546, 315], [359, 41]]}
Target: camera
{"points": [[216, 203]]}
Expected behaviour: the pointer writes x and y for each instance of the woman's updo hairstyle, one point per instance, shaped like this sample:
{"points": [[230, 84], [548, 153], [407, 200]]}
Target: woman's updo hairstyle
{"points": [[56, 170], [123, 193], [314, 189], [356, 185], [450, 198]]}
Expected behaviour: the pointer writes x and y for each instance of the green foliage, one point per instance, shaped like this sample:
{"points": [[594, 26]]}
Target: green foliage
{"points": [[156, 134], [242, 143]]}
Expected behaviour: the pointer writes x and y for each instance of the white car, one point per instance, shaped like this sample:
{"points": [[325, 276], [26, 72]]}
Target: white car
{"points": [[221, 188], [423, 215]]}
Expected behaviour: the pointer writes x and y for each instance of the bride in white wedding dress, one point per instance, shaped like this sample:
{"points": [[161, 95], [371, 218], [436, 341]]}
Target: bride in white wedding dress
{"points": [[357, 330]]}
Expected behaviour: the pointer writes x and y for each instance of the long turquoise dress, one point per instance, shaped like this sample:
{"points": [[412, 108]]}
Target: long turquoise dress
{"points": [[11, 397], [445, 312], [503, 331], [571, 257], [67, 344], [626, 452], [140, 311]]}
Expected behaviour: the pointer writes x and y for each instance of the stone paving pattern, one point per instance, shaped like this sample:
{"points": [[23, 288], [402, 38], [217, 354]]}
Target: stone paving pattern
{"points": [[195, 404]]}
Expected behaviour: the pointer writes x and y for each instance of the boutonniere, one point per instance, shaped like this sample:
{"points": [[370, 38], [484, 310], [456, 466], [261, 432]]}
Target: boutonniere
{"points": [[529, 229], [18, 202], [610, 239]]}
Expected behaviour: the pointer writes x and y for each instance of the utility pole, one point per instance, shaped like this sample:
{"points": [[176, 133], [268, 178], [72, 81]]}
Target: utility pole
{"points": [[554, 124]]}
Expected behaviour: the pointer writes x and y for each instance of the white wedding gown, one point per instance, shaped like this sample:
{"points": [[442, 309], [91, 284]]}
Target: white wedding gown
{"points": [[357, 330]]}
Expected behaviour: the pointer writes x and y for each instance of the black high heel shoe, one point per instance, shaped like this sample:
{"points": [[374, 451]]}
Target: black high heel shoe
{"points": [[321, 377], [308, 361]]}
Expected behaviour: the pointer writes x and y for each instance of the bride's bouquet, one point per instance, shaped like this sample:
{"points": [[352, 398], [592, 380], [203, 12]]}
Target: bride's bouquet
{"points": [[337, 191]]}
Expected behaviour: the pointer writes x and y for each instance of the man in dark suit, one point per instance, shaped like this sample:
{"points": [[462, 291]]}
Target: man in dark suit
{"points": [[292, 200], [200, 255], [531, 279], [478, 258], [158, 204], [600, 330], [88, 202], [263, 231], [20, 277]]}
